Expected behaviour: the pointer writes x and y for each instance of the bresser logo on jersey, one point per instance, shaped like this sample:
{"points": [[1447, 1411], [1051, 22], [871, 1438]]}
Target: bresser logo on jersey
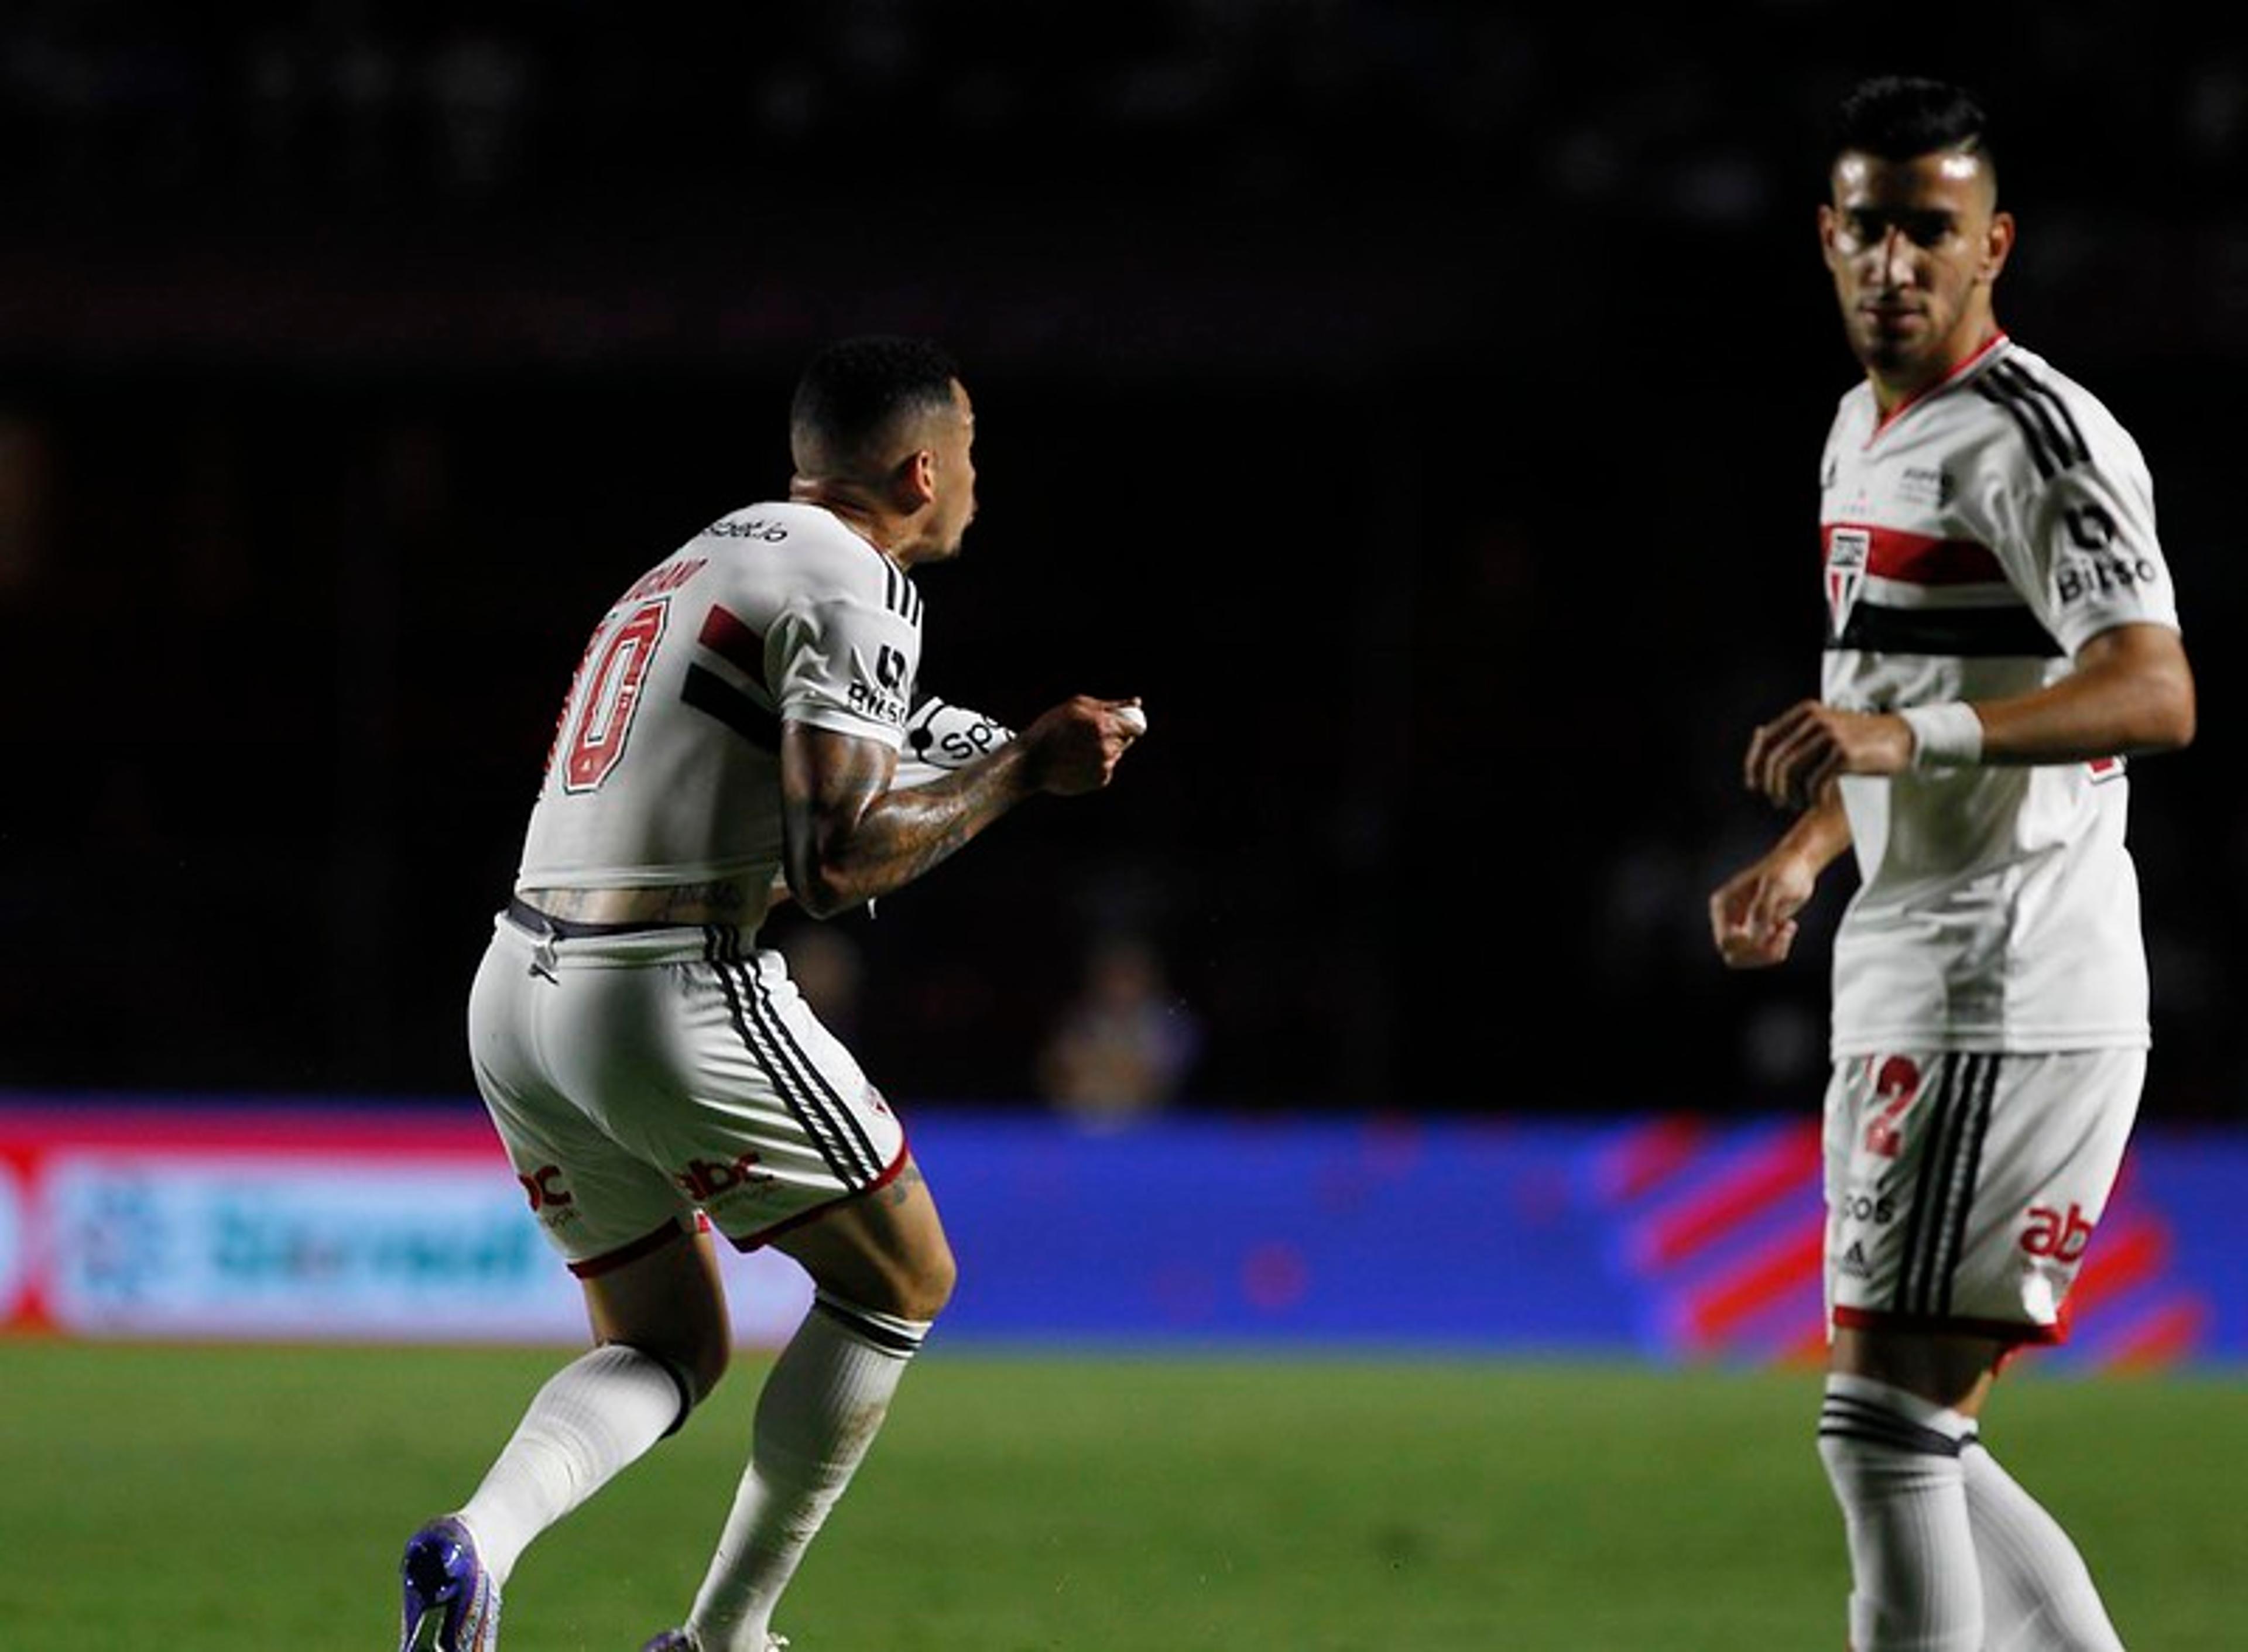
{"points": [[1847, 552]]}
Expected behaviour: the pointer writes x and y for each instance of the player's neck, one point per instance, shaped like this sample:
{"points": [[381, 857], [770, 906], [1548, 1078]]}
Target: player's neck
{"points": [[879, 528], [1893, 391]]}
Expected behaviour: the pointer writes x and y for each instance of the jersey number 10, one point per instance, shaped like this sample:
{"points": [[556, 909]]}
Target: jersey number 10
{"points": [[598, 714]]}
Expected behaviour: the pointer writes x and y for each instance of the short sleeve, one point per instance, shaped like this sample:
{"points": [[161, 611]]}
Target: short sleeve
{"points": [[2104, 564], [2078, 534], [844, 665]]}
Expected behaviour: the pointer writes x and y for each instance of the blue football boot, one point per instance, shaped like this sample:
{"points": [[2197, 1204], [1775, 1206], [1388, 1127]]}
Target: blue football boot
{"points": [[450, 1602]]}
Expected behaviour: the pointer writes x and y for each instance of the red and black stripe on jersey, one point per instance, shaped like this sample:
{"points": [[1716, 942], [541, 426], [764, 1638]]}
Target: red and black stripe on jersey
{"points": [[725, 635], [1960, 633], [2009, 631]]}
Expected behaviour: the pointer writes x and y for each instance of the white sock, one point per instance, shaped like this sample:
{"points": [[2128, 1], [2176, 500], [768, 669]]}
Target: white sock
{"points": [[1893, 1460], [593, 1416], [820, 1409], [2038, 1593]]}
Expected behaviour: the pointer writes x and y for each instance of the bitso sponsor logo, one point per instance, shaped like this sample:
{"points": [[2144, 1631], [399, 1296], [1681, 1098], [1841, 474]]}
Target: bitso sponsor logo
{"points": [[2080, 578], [880, 693]]}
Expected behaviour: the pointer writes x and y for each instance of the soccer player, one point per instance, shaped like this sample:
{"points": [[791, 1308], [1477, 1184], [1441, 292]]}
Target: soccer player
{"points": [[2002, 636], [735, 727]]}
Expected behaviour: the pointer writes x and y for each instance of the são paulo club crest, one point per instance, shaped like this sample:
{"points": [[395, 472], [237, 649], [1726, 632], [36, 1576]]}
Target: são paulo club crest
{"points": [[1846, 550]]}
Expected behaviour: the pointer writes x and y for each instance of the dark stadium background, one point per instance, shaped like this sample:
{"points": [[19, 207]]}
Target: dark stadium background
{"points": [[1417, 405]]}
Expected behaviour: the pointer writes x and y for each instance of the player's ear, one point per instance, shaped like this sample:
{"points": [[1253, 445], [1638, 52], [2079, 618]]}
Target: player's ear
{"points": [[1828, 220], [912, 484], [1997, 244]]}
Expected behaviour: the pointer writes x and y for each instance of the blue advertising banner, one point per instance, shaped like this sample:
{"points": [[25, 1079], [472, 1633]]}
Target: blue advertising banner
{"points": [[1661, 1237]]}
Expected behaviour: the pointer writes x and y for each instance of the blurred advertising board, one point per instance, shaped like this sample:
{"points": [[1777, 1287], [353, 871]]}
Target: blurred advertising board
{"points": [[307, 1224], [1662, 1236]]}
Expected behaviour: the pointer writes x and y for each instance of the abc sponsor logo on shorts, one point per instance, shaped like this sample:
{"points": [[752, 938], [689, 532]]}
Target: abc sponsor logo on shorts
{"points": [[2060, 1235], [543, 1186], [705, 1180], [550, 1201]]}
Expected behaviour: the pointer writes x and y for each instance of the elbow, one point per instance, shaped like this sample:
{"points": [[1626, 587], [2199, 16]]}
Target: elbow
{"points": [[819, 891], [2153, 705], [827, 908], [829, 881], [2167, 727], [2171, 731], [2177, 718], [819, 871]]}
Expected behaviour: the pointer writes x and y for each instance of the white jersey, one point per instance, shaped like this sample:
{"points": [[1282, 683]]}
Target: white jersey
{"points": [[666, 763], [1974, 539]]}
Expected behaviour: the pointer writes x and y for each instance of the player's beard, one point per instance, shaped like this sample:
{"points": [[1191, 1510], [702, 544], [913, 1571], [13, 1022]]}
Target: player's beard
{"points": [[1899, 345]]}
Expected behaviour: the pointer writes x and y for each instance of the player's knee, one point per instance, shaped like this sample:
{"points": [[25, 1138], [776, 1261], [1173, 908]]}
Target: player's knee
{"points": [[694, 1370], [941, 1277], [925, 1281], [695, 1348], [706, 1370]]}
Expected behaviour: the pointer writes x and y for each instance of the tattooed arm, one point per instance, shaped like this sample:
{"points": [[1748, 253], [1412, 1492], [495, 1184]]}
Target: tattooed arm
{"points": [[850, 837]]}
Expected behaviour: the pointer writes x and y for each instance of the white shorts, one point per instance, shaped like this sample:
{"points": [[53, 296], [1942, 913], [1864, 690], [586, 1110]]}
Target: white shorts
{"points": [[1963, 1188], [641, 1076]]}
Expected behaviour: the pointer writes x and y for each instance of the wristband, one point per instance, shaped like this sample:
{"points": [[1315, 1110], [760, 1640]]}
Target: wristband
{"points": [[1945, 736]]}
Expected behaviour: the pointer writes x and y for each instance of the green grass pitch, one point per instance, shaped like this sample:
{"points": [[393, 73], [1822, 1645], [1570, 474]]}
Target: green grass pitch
{"points": [[186, 1499]]}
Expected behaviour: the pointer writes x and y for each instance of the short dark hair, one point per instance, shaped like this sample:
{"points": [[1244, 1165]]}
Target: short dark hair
{"points": [[1902, 117], [854, 390]]}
